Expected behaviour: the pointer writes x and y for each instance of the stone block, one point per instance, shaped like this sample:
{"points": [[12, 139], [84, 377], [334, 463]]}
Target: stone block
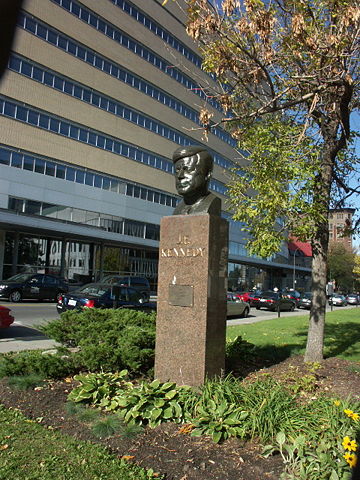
{"points": [[191, 309]]}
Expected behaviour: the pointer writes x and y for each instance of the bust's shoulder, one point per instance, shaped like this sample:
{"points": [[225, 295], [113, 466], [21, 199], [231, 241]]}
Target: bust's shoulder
{"points": [[209, 204]]}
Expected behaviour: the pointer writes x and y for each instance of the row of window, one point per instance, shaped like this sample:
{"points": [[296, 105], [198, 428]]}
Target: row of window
{"points": [[27, 161], [63, 42], [123, 39], [157, 29], [110, 223], [60, 126], [51, 79]]}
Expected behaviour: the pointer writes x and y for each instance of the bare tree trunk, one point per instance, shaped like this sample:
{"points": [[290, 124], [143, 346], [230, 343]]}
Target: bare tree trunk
{"points": [[315, 339]]}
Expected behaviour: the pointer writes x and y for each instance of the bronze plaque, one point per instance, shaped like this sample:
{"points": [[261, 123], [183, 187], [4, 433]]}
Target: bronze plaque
{"points": [[181, 295]]}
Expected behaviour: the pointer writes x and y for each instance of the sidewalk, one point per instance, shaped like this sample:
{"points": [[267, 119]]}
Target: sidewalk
{"points": [[18, 337]]}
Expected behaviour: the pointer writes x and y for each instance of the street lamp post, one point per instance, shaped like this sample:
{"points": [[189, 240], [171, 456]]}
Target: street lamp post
{"points": [[294, 269]]}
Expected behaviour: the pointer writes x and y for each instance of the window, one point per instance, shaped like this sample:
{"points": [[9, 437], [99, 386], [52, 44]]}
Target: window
{"points": [[48, 79], [80, 175], [16, 204], [4, 157], [44, 121], [74, 132], [89, 179], [39, 165], [64, 128], [16, 160], [60, 171], [49, 210], [28, 163], [26, 69], [97, 181], [21, 113], [70, 174], [32, 207], [54, 125], [50, 169], [77, 92]]}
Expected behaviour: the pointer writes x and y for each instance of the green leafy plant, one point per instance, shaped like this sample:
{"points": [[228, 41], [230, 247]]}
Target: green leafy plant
{"points": [[305, 462], [319, 452], [152, 403], [220, 421], [143, 404], [99, 388]]}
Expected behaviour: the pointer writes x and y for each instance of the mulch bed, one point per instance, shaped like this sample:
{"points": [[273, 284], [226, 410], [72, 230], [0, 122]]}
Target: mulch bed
{"points": [[166, 449]]}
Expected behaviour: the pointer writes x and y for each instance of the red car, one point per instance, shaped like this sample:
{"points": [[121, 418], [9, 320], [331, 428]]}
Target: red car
{"points": [[5, 318], [248, 297]]}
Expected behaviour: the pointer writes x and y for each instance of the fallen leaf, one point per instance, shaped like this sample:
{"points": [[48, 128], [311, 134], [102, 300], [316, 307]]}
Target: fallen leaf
{"points": [[4, 447], [127, 457]]}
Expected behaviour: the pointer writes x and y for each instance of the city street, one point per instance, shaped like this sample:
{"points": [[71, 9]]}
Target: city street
{"points": [[23, 335]]}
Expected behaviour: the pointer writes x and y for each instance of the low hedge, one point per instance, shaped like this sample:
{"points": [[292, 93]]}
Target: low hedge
{"points": [[107, 339]]}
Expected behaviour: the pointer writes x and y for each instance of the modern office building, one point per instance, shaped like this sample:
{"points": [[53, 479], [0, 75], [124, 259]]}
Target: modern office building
{"points": [[97, 96]]}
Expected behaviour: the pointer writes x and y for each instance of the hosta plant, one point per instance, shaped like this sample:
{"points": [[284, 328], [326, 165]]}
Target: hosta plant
{"points": [[153, 403], [220, 421], [98, 388]]}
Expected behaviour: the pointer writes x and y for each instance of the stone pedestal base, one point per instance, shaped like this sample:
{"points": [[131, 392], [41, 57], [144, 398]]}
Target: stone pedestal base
{"points": [[191, 311]]}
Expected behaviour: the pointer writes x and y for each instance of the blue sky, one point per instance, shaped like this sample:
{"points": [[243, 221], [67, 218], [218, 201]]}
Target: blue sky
{"points": [[355, 125]]}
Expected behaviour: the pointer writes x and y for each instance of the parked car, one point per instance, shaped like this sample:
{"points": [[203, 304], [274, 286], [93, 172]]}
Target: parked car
{"points": [[338, 300], [275, 300], [292, 294], [305, 300], [248, 297], [5, 318], [103, 295], [237, 307], [141, 284], [32, 285], [353, 299]]}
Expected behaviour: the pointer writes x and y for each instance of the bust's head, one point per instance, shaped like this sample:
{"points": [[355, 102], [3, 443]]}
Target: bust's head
{"points": [[193, 169]]}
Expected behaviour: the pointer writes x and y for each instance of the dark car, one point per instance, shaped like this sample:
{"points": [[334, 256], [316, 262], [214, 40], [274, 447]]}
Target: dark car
{"points": [[5, 318], [275, 300], [32, 285], [103, 295], [305, 300], [353, 299], [141, 284], [292, 294]]}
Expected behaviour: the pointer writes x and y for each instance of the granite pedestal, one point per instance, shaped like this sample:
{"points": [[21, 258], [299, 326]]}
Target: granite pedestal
{"points": [[191, 308]]}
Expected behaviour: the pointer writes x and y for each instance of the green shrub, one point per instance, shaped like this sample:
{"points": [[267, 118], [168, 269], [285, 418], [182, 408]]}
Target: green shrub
{"points": [[108, 339], [25, 382], [30, 362]]}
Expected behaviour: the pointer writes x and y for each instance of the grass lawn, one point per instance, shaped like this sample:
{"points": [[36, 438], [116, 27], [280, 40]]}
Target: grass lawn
{"points": [[29, 452], [285, 336]]}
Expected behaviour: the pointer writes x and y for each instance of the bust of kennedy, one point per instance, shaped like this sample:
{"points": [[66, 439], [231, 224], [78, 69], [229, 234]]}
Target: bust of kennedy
{"points": [[193, 170]]}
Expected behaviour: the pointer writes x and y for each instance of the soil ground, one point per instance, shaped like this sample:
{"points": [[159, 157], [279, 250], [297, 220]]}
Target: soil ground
{"points": [[177, 455]]}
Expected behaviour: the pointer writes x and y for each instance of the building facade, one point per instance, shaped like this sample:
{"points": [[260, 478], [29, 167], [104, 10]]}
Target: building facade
{"points": [[340, 224], [96, 97]]}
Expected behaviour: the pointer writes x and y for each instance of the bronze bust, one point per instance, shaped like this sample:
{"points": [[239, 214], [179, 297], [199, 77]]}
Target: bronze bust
{"points": [[193, 170]]}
